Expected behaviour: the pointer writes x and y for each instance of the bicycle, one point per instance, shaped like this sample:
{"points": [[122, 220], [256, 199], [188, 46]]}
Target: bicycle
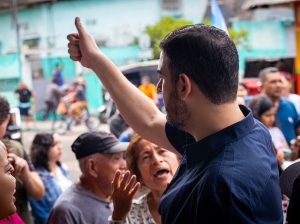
{"points": [[64, 124]]}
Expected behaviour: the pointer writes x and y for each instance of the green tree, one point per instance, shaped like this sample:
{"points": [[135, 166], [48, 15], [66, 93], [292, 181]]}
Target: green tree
{"points": [[239, 37], [167, 24], [160, 29]]}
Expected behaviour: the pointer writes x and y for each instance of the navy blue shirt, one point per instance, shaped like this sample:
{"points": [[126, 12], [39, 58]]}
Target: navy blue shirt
{"points": [[228, 177]]}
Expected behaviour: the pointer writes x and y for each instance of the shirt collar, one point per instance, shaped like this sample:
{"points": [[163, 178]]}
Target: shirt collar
{"points": [[207, 148]]}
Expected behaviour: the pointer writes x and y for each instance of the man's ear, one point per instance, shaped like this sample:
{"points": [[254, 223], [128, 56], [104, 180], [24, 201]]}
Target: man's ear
{"points": [[91, 167], [184, 86]]}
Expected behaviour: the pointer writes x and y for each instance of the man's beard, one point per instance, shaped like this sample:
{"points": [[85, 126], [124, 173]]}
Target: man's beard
{"points": [[177, 111]]}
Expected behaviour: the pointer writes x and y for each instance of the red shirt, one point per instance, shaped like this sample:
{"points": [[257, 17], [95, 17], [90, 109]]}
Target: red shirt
{"points": [[12, 219]]}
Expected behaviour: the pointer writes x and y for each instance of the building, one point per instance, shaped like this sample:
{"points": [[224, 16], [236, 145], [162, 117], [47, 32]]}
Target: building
{"points": [[33, 37]]}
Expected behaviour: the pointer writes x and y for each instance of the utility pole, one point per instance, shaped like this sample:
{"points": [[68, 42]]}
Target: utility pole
{"points": [[16, 25], [297, 37]]}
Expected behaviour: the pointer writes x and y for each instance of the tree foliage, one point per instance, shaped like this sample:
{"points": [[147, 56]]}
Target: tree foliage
{"points": [[239, 37], [160, 29], [167, 24]]}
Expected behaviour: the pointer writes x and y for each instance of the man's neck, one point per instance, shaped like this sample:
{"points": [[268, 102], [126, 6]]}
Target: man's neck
{"points": [[213, 118], [89, 186]]}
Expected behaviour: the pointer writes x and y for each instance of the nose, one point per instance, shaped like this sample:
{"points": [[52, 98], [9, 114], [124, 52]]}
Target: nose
{"points": [[156, 158], [159, 86], [123, 164]]}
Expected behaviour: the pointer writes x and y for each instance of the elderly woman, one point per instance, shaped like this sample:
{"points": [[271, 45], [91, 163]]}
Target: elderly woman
{"points": [[154, 168], [46, 151]]}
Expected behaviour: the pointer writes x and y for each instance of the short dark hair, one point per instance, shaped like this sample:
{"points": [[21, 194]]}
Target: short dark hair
{"points": [[4, 109], [208, 56], [264, 72], [259, 105], [40, 147]]}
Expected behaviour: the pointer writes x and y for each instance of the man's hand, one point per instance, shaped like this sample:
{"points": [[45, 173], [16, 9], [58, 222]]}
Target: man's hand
{"points": [[82, 46], [123, 192]]}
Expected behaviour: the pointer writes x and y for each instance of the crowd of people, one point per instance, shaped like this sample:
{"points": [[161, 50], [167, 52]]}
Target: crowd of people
{"points": [[209, 159]]}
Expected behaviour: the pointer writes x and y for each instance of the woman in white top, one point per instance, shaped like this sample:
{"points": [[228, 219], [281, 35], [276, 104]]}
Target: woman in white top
{"points": [[154, 168]]}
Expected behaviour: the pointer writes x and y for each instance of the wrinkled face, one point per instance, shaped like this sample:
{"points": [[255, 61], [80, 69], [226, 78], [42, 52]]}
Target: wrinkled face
{"points": [[176, 109], [268, 117], [55, 151], [3, 127], [157, 166], [8, 185], [273, 85], [107, 165]]}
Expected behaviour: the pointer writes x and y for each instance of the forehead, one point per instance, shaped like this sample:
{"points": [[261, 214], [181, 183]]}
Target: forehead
{"points": [[273, 76], [162, 63], [145, 146]]}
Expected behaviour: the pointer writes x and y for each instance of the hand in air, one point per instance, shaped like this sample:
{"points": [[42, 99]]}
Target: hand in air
{"points": [[82, 46], [123, 191]]}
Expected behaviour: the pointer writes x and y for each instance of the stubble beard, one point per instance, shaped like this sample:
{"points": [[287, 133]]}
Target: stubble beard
{"points": [[177, 112]]}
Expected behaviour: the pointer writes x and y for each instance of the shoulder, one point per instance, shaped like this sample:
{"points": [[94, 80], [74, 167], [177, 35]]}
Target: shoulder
{"points": [[178, 138], [64, 212], [283, 103]]}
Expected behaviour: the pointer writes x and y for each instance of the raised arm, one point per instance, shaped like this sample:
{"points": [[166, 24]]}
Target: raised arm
{"points": [[138, 110], [31, 180]]}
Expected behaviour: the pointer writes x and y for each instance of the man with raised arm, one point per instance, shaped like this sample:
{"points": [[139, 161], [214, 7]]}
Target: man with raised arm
{"points": [[228, 173]]}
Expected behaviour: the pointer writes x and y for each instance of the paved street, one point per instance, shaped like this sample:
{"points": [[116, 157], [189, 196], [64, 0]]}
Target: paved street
{"points": [[68, 157]]}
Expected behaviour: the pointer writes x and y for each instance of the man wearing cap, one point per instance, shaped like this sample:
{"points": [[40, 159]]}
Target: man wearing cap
{"points": [[99, 155]]}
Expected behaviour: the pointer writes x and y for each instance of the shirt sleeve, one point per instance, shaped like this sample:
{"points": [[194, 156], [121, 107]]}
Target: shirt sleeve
{"points": [[178, 138]]}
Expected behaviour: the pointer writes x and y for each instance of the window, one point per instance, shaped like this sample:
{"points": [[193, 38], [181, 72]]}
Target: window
{"points": [[171, 5]]}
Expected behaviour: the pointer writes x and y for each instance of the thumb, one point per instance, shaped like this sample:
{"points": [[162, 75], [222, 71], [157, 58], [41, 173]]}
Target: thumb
{"points": [[79, 27]]}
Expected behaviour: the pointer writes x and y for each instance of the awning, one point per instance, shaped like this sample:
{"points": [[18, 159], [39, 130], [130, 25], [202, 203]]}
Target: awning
{"points": [[252, 4]]}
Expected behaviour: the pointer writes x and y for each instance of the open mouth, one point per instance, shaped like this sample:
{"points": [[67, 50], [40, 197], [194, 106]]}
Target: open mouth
{"points": [[161, 173]]}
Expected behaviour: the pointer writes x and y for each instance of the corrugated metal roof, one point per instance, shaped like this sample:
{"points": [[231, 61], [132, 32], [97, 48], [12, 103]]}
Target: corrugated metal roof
{"points": [[252, 4], [6, 5]]}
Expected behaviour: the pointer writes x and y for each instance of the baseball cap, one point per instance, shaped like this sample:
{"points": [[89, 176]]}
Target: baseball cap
{"points": [[97, 142], [288, 177]]}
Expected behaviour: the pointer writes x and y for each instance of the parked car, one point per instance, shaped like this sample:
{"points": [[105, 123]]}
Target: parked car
{"points": [[134, 72], [253, 85]]}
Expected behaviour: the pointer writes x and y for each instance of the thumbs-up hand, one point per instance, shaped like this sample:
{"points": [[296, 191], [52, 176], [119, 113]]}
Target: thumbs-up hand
{"points": [[82, 46]]}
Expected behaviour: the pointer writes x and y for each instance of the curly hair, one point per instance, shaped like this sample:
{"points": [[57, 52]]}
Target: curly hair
{"points": [[40, 147], [4, 109], [132, 155]]}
